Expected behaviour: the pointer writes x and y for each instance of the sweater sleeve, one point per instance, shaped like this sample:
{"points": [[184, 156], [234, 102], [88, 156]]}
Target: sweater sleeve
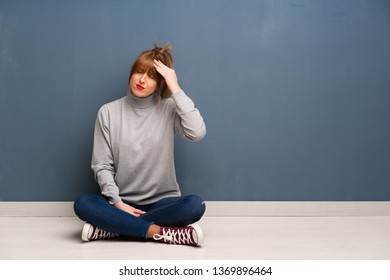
{"points": [[188, 120], [102, 159]]}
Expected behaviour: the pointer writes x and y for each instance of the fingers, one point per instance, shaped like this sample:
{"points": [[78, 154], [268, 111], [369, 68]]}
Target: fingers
{"points": [[162, 68], [165, 71], [158, 63], [137, 211], [129, 209], [169, 75]]}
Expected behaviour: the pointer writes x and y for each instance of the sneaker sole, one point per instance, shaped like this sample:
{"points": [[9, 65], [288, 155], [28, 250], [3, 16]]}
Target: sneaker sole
{"points": [[85, 232], [199, 233]]}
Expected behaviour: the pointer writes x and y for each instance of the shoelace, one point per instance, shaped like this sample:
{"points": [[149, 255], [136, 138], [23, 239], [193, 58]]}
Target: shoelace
{"points": [[102, 234], [175, 236]]}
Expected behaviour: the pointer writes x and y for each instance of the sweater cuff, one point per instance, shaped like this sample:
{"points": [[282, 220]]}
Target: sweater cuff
{"points": [[113, 200]]}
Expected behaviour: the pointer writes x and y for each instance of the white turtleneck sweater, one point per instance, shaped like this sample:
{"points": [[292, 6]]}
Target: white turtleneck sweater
{"points": [[133, 154]]}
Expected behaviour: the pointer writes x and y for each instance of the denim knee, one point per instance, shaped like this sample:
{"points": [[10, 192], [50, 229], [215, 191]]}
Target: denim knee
{"points": [[197, 206], [81, 204]]}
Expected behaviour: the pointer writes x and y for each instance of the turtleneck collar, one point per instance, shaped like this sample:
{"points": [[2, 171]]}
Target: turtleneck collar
{"points": [[141, 103]]}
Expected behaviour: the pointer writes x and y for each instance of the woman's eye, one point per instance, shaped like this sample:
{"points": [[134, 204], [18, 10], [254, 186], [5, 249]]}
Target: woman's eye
{"points": [[152, 77]]}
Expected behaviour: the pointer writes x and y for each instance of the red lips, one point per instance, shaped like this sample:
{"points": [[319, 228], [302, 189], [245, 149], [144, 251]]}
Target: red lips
{"points": [[138, 86]]}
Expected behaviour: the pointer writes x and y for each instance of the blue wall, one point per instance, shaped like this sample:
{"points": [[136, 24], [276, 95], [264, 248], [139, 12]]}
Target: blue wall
{"points": [[295, 94]]}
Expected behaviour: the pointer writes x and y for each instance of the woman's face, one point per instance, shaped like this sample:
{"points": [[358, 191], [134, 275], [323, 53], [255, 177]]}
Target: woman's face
{"points": [[142, 85]]}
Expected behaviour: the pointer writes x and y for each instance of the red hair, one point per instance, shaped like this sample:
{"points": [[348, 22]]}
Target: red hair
{"points": [[144, 63]]}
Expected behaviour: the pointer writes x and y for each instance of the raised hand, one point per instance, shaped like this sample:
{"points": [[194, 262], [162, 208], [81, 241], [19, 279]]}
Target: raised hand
{"points": [[168, 74]]}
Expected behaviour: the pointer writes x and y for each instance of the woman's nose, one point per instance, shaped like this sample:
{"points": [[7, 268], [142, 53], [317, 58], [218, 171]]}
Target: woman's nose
{"points": [[142, 79]]}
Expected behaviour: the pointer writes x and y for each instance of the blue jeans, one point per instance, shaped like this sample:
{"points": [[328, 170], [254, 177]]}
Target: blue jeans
{"points": [[168, 212]]}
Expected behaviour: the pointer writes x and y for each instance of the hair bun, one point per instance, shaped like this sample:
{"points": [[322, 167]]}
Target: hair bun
{"points": [[166, 48]]}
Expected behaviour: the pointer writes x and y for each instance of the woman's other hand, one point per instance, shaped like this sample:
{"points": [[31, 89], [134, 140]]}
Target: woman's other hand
{"points": [[129, 209]]}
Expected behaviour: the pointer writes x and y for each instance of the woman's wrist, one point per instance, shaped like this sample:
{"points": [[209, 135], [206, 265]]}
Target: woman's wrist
{"points": [[118, 204], [174, 89]]}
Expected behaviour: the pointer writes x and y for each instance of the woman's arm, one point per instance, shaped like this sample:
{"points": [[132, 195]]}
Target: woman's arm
{"points": [[188, 122], [103, 164], [102, 158]]}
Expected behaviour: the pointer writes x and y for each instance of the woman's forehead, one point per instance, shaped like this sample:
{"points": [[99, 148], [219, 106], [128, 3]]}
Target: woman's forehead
{"points": [[145, 64]]}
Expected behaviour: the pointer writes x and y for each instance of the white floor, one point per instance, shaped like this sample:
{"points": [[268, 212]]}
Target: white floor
{"points": [[271, 238]]}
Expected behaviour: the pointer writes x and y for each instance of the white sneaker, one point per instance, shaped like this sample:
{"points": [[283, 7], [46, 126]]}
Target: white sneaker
{"points": [[90, 232], [189, 235]]}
